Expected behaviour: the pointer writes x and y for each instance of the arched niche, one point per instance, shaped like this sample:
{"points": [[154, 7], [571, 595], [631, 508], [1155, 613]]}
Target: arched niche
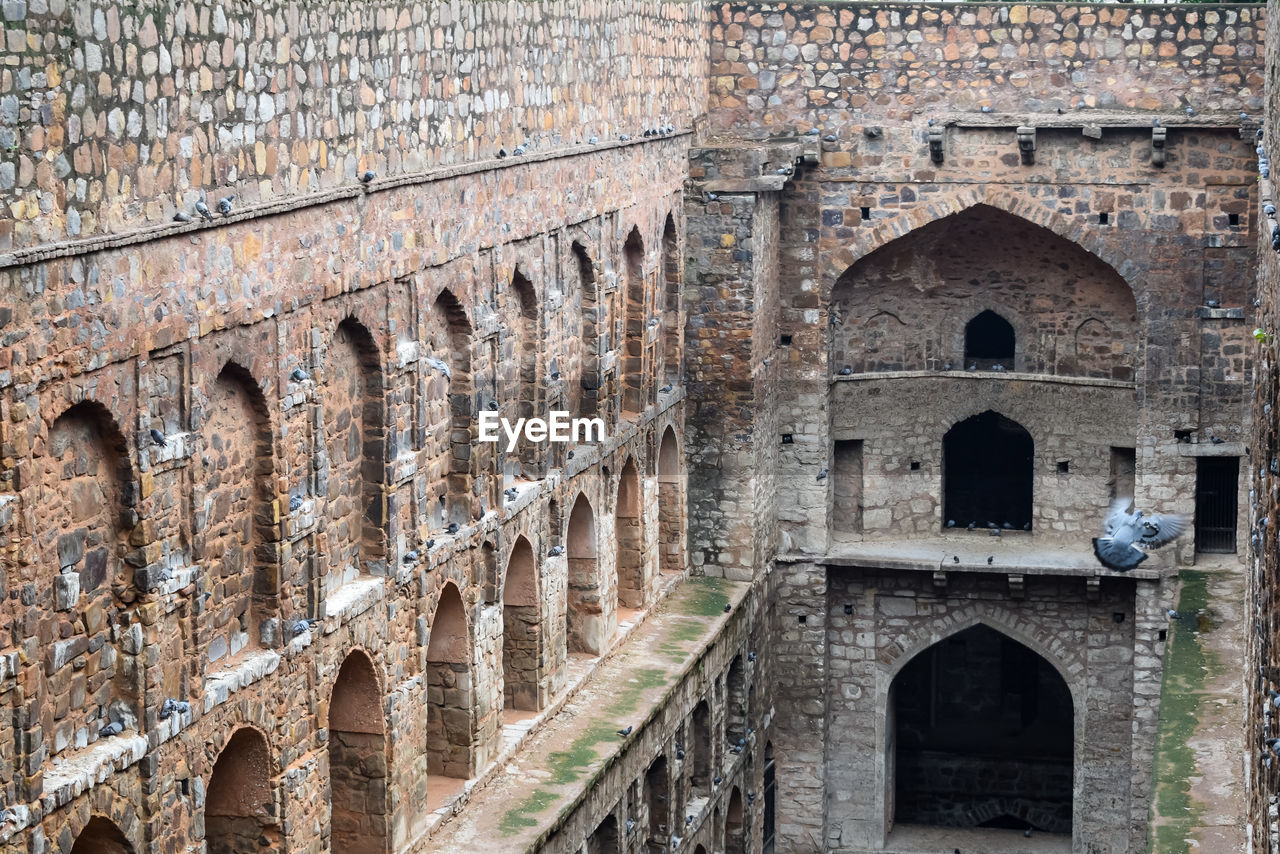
{"points": [[988, 463]]}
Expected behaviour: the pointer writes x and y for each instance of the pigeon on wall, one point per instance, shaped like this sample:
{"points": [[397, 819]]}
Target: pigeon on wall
{"points": [[1127, 535]]}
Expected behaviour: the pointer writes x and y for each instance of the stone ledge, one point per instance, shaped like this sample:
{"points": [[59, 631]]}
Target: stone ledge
{"points": [[72, 776], [1053, 379], [351, 600], [221, 684]]}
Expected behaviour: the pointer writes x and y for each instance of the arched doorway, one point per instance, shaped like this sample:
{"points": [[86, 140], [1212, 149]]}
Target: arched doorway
{"points": [[101, 836], [521, 630], [657, 793], [451, 713], [988, 342], [631, 359], [240, 810], [628, 533], [670, 504], [982, 736], [734, 832], [586, 616], [357, 760], [987, 473]]}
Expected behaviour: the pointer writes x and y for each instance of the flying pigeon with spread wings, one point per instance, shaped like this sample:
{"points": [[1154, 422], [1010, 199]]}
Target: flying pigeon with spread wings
{"points": [[1128, 535]]}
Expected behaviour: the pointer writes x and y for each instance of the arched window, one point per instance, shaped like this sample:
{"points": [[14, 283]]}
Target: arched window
{"points": [[451, 713], [631, 359], [629, 534], [984, 734], [588, 619], [670, 504], [240, 810], [357, 759], [658, 798], [988, 342], [987, 473], [101, 836], [521, 630]]}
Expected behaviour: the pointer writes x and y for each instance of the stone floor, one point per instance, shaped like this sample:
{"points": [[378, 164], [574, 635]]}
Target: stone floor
{"points": [[917, 839], [1199, 784], [523, 798]]}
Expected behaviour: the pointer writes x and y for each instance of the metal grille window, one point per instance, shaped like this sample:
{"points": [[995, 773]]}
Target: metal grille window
{"points": [[1217, 485]]}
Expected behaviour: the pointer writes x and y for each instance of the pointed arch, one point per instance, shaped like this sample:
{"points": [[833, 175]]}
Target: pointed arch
{"points": [[736, 713], [989, 340], [241, 812], [85, 489], [735, 841], [354, 434], [988, 472], [451, 713], [101, 836], [236, 518], [979, 704], [525, 362], [702, 749], [587, 611], [930, 276], [522, 655], [885, 337], [657, 794], [585, 392], [357, 759], [631, 359], [628, 531], [671, 500], [450, 406], [672, 316]]}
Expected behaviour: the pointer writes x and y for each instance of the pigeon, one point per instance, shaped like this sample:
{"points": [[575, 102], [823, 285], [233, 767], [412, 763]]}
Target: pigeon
{"points": [[997, 367], [224, 204], [203, 210], [300, 626], [1027, 832], [113, 728], [555, 375], [972, 367], [1244, 117], [1007, 526], [502, 152], [511, 493], [1212, 303], [430, 543], [1274, 744], [1173, 615], [951, 523], [675, 842], [666, 389], [990, 559], [518, 150], [946, 366], [751, 797], [410, 556], [955, 558], [1269, 209], [814, 132], [625, 731], [173, 707], [182, 216], [295, 501], [1027, 526], [822, 475], [556, 551], [298, 375], [716, 781], [688, 820], [736, 749], [624, 137], [711, 197], [594, 140], [846, 371], [1215, 440], [986, 109], [728, 608], [680, 753], [631, 825], [653, 321], [1190, 112], [452, 528], [831, 137], [1155, 123], [158, 438], [972, 525], [569, 455], [932, 122], [1119, 547], [493, 404], [751, 656], [1275, 697], [368, 176], [440, 365], [993, 526]]}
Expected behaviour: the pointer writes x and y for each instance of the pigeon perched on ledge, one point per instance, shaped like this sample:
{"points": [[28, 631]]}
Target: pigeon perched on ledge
{"points": [[1126, 534]]}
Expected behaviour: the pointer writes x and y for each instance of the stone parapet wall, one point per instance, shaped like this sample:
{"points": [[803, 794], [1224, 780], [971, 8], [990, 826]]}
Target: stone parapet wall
{"points": [[777, 66], [114, 117]]}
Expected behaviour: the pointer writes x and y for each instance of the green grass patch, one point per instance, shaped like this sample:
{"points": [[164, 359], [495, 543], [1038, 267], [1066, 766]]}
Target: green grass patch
{"points": [[703, 597], [1187, 665], [519, 817]]}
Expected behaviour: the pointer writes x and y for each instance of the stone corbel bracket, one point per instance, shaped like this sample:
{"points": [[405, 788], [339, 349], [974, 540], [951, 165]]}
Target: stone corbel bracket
{"points": [[1027, 144], [1158, 137], [937, 141]]}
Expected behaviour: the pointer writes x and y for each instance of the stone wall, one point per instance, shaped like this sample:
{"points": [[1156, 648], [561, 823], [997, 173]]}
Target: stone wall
{"points": [[116, 118]]}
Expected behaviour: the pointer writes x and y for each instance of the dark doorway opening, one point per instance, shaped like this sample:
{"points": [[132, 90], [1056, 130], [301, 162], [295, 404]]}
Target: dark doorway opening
{"points": [[987, 472], [988, 341], [984, 734], [1217, 485]]}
